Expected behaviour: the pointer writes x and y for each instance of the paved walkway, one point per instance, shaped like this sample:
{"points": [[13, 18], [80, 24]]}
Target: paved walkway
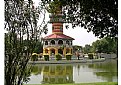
{"points": [[67, 61]]}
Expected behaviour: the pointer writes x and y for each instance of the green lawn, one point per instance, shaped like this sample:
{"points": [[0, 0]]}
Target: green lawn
{"points": [[99, 83]]}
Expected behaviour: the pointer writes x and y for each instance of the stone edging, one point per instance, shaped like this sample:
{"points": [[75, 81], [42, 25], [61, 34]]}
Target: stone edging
{"points": [[67, 61]]}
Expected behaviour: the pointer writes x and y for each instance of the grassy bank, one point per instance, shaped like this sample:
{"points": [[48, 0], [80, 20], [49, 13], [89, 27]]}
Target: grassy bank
{"points": [[99, 83]]}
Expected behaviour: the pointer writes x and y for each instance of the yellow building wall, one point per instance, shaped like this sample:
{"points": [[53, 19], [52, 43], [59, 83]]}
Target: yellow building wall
{"points": [[56, 50]]}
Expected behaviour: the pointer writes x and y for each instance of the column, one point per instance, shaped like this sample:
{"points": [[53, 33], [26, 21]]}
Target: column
{"points": [[56, 42], [49, 52], [70, 50], [64, 51], [43, 51], [56, 51]]}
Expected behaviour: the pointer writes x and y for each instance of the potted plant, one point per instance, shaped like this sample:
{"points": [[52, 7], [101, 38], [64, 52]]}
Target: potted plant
{"points": [[68, 56], [58, 57], [90, 56], [46, 57], [34, 57]]}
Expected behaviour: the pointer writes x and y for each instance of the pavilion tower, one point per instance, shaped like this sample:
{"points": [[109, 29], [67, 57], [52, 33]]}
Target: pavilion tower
{"points": [[57, 42]]}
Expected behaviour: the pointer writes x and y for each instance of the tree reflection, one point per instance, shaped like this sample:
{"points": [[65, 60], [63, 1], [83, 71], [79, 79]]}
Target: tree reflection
{"points": [[35, 69], [106, 75], [106, 71]]}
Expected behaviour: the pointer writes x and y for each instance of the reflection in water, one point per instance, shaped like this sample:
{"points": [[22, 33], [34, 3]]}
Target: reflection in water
{"points": [[106, 75], [58, 74], [75, 73], [106, 71], [36, 70]]}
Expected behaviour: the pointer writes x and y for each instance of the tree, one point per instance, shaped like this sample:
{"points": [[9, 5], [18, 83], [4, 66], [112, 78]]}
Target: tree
{"points": [[105, 45], [112, 44], [38, 47], [95, 45], [77, 47], [87, 48], [98, 16], [21, 18]]}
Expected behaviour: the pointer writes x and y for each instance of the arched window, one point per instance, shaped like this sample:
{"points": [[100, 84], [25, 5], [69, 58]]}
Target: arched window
{"points": [[52, 42], [52, 51], [60, 42], [67, 42], [46, 42]]}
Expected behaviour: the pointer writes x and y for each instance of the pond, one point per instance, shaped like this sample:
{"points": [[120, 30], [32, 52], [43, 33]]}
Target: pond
{"points": [[75, 73]]}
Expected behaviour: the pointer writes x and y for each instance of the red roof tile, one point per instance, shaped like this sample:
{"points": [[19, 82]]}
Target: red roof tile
{"points": [[60, 36]]}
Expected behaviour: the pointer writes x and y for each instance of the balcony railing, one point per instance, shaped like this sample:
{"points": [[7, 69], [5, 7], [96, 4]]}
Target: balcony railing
{"points": [[57, 45]]}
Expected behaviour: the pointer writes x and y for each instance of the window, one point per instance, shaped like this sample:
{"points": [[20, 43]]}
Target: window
{"points": [[60, 42], [52, 42], [52, 51], [67, 42], [71, 42], [46, 42]]}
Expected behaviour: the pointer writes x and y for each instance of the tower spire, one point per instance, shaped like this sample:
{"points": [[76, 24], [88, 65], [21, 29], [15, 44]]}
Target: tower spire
{"points": [[57, 21]]}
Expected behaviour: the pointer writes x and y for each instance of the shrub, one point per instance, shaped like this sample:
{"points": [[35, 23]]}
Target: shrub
{"points": [[68, 56], [58, 57], [90, 56], [46, 57], [34, 57]]}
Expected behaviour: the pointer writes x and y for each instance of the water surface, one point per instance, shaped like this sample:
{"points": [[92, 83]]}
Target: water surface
{"points": [[75, 73]]}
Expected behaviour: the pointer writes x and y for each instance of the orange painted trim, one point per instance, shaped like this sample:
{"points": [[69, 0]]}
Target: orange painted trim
{"points": [[57, 32]]}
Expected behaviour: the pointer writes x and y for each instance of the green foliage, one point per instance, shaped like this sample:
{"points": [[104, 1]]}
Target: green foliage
{"points": [[76, 47], [68, 56], [21, 18], [87, 48], [105, 45], [98, 16], [38, 47], [62, 47], [54, 7], [58, 57], [46, 57], [90, 56]]}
